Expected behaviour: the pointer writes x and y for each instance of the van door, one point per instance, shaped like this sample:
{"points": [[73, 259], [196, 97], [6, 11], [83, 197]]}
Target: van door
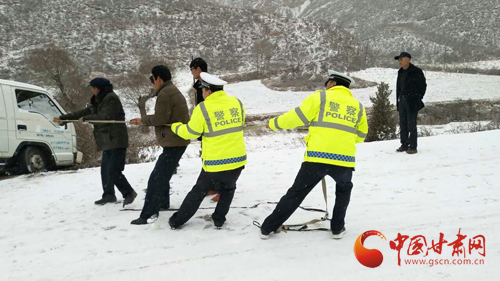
{"points": [[4, 127], [34, 115]]}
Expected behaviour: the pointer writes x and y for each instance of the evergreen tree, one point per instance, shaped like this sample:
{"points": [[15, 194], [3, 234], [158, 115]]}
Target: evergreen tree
{"points": [[382, 123]]}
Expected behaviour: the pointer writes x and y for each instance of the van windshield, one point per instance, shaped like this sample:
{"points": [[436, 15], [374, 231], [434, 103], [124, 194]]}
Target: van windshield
{"points": [[37, 103]]}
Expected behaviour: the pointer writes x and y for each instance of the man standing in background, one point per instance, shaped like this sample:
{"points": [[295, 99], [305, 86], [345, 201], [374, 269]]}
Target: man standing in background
{"points": [[197, 66], [410, 91]]}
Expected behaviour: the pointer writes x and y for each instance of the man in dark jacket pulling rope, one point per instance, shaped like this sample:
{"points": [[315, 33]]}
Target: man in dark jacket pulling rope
{"points": [[170, 107], [111, 139]]}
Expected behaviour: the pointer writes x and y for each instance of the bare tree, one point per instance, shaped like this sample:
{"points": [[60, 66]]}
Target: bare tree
{"points": [[262, 53], [53, 66], [136, 89]]}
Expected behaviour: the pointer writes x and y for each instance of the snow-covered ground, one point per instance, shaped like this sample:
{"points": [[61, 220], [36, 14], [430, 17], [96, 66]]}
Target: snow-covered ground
{"points": [[482, 65], [259, 99], [50, 229], [453, 128], [441, 86]]}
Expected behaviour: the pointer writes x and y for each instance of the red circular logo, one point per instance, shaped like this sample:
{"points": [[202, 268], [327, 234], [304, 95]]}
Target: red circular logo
{"points": [[368, 257]]}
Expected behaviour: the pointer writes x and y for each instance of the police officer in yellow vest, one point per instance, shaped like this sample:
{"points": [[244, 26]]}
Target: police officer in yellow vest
{"points": [[337, 121], [219, 119]]}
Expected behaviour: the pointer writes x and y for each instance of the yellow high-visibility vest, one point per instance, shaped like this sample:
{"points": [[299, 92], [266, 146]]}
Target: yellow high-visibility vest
{"points": [[219, 119], [337, 121]]}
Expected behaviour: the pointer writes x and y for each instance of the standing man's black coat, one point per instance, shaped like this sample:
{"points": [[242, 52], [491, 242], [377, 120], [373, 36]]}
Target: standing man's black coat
{"points": [[199, 93], [413, 87]]}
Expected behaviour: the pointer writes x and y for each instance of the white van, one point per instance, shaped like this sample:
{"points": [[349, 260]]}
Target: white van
{"points": [[29, 139]]}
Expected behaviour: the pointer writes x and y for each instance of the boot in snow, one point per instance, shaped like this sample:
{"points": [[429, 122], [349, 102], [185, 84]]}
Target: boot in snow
{"points": [[338, 234], [129, 198], [139, 221], [111, 198]]}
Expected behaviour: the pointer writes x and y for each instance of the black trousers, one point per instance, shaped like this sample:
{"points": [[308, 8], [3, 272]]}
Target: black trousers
{"points": [[310, 174], [408, 124], [112, 166], [158, 192], [226, 180]]}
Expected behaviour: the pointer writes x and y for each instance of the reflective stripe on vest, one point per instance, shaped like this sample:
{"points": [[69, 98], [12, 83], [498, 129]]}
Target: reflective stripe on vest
{"points": [[225, 161], [191, 131], [211, 132], [345, 128], [301, 115], [276, 124], [331, 156]]}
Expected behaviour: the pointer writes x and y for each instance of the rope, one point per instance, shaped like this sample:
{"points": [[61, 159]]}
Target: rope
{"points": [[305, 226], [97, 121], [246, 128]]}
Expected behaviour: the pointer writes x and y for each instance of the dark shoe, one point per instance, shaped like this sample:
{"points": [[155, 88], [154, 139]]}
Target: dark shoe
{"points": [[338, 234], [218, 224], [129, 198], [411, 151], [139, 221], [264, 235], [106, 199], [172, 224], [402, 148]]}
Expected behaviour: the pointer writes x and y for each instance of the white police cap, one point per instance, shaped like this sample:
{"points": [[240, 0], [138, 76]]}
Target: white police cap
{"points": [[208, 80], [334, 74]]}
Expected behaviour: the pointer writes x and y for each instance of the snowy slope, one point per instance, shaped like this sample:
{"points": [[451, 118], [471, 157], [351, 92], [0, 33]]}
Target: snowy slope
{"points": [[441, 87], [259, 99], [482, 65], [52, 231]]}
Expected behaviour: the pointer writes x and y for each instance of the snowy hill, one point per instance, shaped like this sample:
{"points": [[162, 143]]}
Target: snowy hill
{"points": [[115, 36], [448, 30], [52, 231]]}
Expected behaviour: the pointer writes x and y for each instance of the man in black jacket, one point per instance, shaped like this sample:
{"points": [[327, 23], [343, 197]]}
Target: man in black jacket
{"points": [[197, 66], [111, 139], [410, 91]]}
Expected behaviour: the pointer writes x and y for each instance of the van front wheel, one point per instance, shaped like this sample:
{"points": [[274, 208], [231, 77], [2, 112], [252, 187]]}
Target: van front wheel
{"points": [[32, 160]]}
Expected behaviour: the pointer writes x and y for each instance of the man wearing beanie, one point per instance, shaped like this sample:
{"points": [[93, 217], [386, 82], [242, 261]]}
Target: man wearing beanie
{"points": [[111, 139]]}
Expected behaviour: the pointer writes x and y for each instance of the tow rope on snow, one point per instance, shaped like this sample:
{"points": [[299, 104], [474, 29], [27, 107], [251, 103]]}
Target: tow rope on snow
{"points": [[284, 228], [203, 208], [305, 226]]}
